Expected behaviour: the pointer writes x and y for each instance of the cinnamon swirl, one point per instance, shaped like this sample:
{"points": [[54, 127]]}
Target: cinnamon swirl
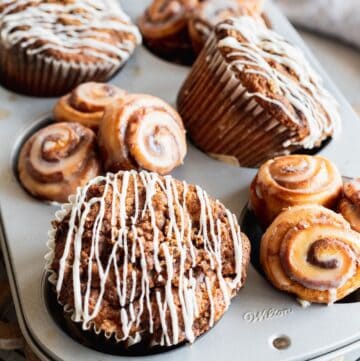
{"points": [[142, 132], [312, 252], [58, 159], [164, 27], [86, 104], [349, 205], [294, 180]]}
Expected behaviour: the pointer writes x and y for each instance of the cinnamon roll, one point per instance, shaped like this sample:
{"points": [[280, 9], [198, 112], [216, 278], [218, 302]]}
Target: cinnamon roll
{"points": [[210, 12], [86, 103], [142, 132], [294, 180], [164, 27], [58, 159], [349, 205], [312, 252]]}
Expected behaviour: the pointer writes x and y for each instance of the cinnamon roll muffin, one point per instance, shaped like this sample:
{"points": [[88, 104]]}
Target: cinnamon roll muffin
{"points": [[62, 43], [294, 180], [141, 132], [252, 95], [349, 205], [86, 104], [311, 251], [58, 159], [141, 257], [210, 12], [164, 26]]}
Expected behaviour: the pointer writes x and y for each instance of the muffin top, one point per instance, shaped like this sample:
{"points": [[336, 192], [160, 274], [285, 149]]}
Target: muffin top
{"points": [[89, 31], [145, 257], [280, 79]]}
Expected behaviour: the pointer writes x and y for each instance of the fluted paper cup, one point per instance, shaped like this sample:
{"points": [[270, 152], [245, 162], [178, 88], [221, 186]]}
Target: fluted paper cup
{"points": [[39, 75]]}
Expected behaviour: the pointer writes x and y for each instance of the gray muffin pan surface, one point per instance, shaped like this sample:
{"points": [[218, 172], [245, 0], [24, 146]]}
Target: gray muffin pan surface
{"points": [[259, 317]]}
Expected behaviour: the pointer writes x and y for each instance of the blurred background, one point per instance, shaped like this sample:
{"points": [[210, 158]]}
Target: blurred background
{"points": [[331, 28]]}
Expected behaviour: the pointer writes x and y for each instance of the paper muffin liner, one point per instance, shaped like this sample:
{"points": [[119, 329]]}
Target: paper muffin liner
{"points": [[39, 75], [52, 278], [223, 118], [60, 215]]}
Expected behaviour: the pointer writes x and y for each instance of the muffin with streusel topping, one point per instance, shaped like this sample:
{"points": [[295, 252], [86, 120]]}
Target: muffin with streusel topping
{"points": [[62, 43], [141, 257], [252, 96]]}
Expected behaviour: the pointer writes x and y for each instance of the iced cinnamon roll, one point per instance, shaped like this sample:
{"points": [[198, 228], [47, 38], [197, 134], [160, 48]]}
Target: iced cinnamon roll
{"points": [[349, 205], [58, 159], [312, 252], [210, 12], [164, 26], [294, 180], [86, 103], [142, 132]]}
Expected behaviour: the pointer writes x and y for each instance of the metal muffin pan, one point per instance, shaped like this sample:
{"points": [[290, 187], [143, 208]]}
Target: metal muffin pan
{"points": [[261, 324]]}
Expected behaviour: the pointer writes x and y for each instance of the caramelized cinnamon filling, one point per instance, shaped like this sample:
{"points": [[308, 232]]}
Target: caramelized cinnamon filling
{"points": [[56, 147], [314, 254]]}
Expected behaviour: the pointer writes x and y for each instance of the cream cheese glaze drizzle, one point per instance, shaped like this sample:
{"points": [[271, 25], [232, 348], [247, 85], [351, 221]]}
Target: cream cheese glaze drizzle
{"points": [[304, 94], [179, 228], [85, 26]]}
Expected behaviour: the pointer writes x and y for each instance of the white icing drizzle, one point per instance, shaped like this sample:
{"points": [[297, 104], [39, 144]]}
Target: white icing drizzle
{"points": [[179, 229], [305, 94], [303, 303], [86, 22]]}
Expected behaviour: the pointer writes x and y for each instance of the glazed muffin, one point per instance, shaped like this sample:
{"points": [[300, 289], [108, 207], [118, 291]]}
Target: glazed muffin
{"points": [[312, 252], [58, 159], [142, 132], [86, 104], [62, 44], [349, 205], [253, 96], [141, 257], [294, 180], [164, 27], [210, 12]]}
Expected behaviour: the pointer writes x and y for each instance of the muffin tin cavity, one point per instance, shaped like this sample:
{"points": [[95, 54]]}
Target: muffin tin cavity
{"points": [[186, 61], [251, 227], [89, 339], [315, 150]]}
